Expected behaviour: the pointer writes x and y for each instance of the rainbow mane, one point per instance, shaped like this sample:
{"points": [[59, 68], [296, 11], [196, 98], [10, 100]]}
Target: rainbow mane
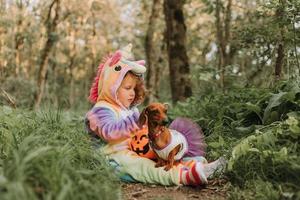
{"points": [[94, 89]]}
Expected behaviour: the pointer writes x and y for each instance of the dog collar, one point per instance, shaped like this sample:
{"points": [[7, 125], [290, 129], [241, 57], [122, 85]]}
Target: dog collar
{"points": [[157, 134]]}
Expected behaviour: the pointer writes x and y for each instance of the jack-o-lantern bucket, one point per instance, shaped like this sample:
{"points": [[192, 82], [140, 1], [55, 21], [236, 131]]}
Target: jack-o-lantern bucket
{"points": [[140, 144]]}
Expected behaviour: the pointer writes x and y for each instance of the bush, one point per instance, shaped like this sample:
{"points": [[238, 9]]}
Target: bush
{"points": [[258, 131]]}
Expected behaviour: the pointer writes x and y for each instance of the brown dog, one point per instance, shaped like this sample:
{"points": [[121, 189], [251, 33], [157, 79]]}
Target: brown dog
{"points": [[155, 116]]}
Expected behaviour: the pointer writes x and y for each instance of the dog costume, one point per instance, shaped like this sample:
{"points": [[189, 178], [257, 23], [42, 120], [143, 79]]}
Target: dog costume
{"points": [[188, 135]]}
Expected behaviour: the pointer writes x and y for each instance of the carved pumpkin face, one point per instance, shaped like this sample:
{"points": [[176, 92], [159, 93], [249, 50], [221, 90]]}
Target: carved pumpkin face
{"points": [[140, 144]]}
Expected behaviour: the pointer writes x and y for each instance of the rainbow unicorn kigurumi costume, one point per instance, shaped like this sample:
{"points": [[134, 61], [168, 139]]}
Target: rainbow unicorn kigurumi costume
{"points": [[104, 93], [116, 125]]}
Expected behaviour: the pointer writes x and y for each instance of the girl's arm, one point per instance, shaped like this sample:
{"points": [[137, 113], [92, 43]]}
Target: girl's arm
{"points": [[104, 123]]}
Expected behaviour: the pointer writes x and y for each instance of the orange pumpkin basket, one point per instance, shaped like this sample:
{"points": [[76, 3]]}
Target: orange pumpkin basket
{"points": [[140, 144]]}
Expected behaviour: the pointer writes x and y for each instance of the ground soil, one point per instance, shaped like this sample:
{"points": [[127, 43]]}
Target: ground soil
{"points": [[216, 189]]}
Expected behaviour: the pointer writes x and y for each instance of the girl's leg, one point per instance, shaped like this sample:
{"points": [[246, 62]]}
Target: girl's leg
{"points": [[143, 170]]}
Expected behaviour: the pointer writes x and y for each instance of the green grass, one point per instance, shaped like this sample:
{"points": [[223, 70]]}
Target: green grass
{"points": [[48, 155]]}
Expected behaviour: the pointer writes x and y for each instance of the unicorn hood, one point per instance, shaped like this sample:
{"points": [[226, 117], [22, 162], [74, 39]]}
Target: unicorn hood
{"points": [[110, 74]]}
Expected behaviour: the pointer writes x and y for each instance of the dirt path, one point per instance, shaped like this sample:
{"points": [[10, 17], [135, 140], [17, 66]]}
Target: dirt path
{"points": [[216, 189]]}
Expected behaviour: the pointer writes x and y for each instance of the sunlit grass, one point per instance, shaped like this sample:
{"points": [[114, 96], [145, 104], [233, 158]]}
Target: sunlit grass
{"points": [[48, 155]]}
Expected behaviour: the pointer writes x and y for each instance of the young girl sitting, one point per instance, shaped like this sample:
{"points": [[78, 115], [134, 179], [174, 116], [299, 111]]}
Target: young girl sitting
{"points": [[117, 90]]}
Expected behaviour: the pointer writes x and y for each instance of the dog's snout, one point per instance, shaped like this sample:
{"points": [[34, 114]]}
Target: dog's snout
{"points": [[165, 121]]}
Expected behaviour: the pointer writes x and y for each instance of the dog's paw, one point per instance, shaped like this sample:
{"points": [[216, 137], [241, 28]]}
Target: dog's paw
{"points": [[159, 165], [167, 168]]}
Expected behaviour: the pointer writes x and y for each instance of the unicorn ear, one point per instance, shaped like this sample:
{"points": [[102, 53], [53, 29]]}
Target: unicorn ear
{"points": [[115, 58], [141, 62]]}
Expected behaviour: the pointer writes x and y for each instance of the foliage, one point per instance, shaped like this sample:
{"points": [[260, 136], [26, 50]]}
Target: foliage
{"points": [[259, 33], [256, 128], [86, 32], [258, 131], [47, 155]]}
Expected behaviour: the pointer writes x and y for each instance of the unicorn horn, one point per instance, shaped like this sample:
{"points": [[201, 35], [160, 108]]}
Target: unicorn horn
{"points": [[126, 52]]}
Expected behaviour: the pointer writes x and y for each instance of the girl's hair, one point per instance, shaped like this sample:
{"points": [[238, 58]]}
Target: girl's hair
{"points": [[139, 89]]}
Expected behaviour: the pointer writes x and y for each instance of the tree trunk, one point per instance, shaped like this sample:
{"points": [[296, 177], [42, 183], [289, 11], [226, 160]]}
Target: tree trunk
{"points": [[223, 39], [56, 88], [220, 42], [2, 65], [158, 69], [51, 26], [18, 40], [280, 47], [1, 61], [71, 64], [18, 46], [93, 50], [151, 53], [176, 46], [227, 24], [71, 94], [279, 61]]}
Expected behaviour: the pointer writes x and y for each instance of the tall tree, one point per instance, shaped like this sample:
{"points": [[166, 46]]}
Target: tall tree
{"points": [[72, 54], [2, 10], [19, 39], [280, 46], [223, 38], [177, 54], [50, 23], [152, 53]]}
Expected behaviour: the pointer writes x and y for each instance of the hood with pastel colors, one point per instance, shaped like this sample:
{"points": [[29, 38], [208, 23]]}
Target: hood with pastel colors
{"points": [[110, 74]]}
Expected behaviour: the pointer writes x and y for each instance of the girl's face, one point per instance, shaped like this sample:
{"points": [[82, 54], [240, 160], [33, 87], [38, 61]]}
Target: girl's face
{"points": [[125, 92]]}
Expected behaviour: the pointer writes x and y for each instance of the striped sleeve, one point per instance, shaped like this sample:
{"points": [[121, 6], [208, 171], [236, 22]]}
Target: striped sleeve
{"points": [[104, 123]]}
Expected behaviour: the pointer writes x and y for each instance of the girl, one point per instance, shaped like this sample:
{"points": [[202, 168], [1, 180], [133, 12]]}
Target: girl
{"points": [[116, 91]]}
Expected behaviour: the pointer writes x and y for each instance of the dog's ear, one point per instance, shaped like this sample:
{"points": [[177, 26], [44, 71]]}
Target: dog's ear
{"points": [[143, 119], [167, 105]]}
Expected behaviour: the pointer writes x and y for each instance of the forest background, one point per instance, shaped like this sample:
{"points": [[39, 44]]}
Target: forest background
{"points": [[233, 66]]}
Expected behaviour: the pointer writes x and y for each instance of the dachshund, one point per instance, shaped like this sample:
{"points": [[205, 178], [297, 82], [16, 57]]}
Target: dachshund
{"points": [[155, 116]]}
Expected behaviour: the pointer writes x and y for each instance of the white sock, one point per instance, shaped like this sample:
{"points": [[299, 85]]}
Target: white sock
{"points": [[213, 167]]}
